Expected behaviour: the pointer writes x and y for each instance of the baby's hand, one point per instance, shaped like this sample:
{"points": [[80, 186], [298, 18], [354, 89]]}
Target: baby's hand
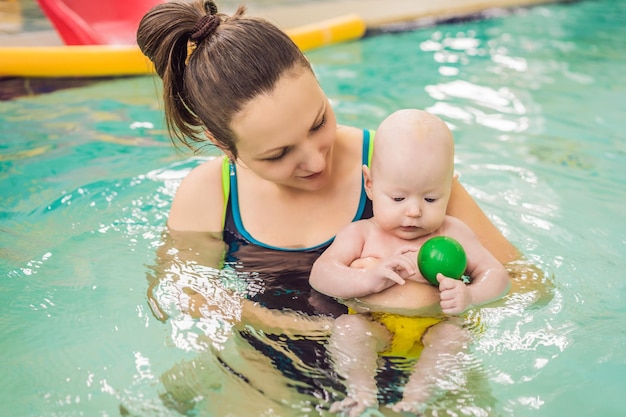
{"points": [[412, 274], [454, 294], [397, 267]]}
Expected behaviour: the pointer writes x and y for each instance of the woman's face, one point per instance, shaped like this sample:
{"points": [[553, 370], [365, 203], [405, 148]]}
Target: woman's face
{"points": [[287, 135]]}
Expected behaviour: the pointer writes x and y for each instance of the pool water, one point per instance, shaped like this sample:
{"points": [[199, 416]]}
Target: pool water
{"points": [[535, 100]]}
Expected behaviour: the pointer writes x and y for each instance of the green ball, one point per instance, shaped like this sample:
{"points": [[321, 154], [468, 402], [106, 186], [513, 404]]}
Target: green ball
{"points": [[441, 254]]}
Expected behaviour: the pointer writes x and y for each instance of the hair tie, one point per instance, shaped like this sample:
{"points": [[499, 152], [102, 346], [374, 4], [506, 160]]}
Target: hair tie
{"points": [[204, 27]]}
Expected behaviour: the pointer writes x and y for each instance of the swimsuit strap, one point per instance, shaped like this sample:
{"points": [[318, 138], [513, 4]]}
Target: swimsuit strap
{"points": [[366, 158], [370, 149], [226, 173], [231, 199]]}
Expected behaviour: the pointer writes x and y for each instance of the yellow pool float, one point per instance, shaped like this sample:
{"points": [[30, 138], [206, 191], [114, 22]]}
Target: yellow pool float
{"points": [[108, 60]]}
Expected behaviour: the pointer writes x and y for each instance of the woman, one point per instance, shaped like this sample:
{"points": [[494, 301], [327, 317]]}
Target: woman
{"points": [[290, 179], [295, 177]]}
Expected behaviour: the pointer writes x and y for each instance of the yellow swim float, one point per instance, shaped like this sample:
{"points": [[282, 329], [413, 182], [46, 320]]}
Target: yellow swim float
{"points": [[110, 60]]}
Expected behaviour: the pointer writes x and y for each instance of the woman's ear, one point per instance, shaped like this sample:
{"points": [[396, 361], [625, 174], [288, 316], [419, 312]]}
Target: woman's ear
{"points": [[229, 154], [367, 181]]}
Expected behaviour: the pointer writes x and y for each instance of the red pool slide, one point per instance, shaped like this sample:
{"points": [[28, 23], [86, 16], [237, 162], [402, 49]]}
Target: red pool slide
{"points": [[87, 22]]}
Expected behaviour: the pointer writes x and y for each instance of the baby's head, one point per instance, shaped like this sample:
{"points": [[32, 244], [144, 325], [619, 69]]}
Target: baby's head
{"points": [[410, 178]]}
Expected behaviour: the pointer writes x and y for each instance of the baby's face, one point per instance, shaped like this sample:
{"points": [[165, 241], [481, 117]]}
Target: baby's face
{"points": [[410, 195], [411, 175]]}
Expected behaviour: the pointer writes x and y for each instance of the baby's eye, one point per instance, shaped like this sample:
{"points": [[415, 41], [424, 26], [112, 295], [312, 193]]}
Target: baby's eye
{"points": [[430, 199], [397, 198]]}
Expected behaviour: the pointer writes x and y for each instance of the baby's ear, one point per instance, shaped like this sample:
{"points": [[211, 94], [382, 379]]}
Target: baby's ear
{"points": [[367, 181]]}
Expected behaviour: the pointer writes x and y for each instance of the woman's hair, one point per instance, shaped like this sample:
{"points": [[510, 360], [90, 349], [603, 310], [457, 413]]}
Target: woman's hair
{"points": [[212, 64]]}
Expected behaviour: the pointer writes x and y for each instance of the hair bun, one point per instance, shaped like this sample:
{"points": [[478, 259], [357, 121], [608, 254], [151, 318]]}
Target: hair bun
{"points": [[210, 7]]}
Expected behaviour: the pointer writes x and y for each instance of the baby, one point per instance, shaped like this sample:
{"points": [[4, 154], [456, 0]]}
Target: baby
{"points": [[409, 183]]}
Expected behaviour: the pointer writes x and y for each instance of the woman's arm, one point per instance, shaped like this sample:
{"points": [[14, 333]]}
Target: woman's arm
{"points": [[464, 207], [283, 322], [199, 202], [411, 299], [186, 277], [526, 278]]}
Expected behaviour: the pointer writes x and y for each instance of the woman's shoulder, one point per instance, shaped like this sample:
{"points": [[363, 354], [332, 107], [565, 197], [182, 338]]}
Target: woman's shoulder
{"points": [[351, 140], [351, 133], [199, 201]]}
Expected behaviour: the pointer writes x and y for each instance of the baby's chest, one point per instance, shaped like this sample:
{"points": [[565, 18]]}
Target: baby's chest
{"points": [[379, 245]]}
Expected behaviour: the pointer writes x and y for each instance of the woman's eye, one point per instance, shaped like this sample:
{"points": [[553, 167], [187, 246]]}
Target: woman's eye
{"points": [[319, 125], [279, 156]]}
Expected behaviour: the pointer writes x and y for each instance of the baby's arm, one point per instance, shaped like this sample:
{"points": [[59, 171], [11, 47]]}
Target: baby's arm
{"points": [[489, 279], [333, 275]]}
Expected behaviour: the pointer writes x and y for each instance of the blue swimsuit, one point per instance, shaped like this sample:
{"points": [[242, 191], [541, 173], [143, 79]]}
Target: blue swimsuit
{"points": [[278, 278], [235, 233], [283, 271]]}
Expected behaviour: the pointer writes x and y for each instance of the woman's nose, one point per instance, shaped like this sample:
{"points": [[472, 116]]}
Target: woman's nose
{"points": [[313, 159]]}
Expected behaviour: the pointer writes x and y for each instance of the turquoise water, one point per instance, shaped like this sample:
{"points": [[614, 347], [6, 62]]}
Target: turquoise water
{"points": [[536, 103]]}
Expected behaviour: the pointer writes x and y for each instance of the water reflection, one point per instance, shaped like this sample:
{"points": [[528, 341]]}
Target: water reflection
{"points": [[258, 331]]}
